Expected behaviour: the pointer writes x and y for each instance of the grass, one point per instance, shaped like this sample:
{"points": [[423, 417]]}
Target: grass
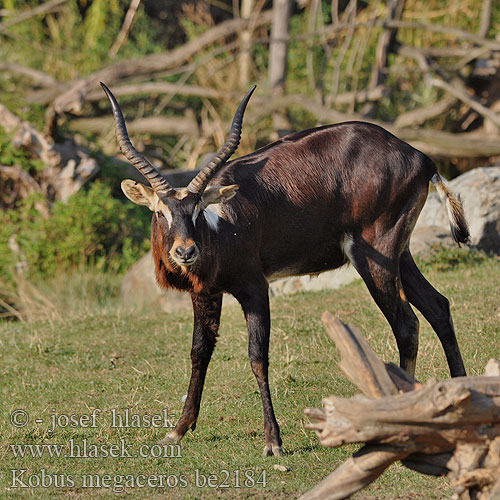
{"points": [[116, 359]]}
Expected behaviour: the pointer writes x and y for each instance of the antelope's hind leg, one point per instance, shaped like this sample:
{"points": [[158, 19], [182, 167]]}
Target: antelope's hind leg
{"points": [[206, 325], [434, 307], [377, 262]]}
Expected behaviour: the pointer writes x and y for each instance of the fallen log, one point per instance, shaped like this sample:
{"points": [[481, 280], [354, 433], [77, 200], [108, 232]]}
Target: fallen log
{"points": [[449, 427]]}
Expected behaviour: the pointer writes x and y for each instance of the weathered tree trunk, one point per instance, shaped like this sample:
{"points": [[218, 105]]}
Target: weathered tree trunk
{"points": [[247, 7], [278, 52], [385, 43], [450, 427]]}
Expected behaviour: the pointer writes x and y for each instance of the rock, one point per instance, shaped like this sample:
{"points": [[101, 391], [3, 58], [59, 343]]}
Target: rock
{"points": [[282, 468], [324, 281], [427, 239], [139, 288], [480, 193]]}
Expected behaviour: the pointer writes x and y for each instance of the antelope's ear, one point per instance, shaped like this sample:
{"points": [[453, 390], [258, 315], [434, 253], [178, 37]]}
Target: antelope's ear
{"points": [[139, 194], [216, 194]]}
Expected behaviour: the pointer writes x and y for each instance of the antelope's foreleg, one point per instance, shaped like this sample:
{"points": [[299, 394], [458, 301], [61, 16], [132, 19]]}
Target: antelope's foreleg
{"points": [[255, 303], [206, 324]]}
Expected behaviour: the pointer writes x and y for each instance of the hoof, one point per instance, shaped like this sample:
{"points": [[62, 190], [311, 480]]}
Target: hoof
{"points": [[170, 438], [272, 450]]}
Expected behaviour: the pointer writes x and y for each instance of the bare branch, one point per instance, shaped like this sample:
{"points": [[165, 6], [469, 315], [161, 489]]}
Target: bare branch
{"points": [[26, 184], [162, 88], [67, 166], [449, 30], [125, 29], [432, 142], [38, 77], [158, 125], [461, 93], [384, 44], [456, 89], [355, 473], [421, 115], [484, 25], [351, 13], [41, 9]]}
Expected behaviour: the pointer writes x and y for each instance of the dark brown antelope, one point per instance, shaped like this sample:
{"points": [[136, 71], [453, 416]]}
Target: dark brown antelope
{"points": [[311, 201]]}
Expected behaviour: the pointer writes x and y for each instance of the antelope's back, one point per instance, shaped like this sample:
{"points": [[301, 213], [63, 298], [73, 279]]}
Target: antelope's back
{"points": [[304, 192], [352, 168]]}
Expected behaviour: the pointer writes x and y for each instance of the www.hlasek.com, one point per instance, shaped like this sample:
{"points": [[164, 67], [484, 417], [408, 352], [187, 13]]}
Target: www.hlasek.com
{"points": [[85, 449]]}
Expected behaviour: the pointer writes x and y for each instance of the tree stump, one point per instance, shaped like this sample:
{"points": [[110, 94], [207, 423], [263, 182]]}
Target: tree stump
{"points": [[449, 427]]}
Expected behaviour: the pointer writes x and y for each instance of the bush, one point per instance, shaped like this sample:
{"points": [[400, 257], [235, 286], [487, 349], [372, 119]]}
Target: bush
{"points": [[91, 228]]}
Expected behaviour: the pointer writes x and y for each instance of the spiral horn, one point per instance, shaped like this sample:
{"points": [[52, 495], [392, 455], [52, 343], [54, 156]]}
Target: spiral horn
{"points": [[199, 183], [157, 181]]}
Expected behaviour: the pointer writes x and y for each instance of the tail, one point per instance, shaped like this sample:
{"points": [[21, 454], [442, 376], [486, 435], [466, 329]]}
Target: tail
{"points": [[458, 224]]}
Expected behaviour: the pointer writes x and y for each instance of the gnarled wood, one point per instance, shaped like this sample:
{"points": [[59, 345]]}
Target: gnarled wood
{"points": [[449, 427], [359, 362], [67, 167]]}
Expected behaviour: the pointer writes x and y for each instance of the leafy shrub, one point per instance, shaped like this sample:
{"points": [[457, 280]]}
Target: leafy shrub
{"points": [[90, 228], [10, 154]]}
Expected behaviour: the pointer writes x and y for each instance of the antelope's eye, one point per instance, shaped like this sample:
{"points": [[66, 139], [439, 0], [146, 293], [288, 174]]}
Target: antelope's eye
{"points": [[159, 214]]}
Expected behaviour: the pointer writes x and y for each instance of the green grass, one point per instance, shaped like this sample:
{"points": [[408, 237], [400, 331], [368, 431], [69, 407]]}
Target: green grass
{"points": [[118, 360]]}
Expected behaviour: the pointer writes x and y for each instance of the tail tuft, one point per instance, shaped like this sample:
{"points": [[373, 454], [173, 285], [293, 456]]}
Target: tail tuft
{"points": [[456, 216]]}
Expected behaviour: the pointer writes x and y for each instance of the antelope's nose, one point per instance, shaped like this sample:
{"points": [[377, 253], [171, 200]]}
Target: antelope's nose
{"points": [[186, 253]]}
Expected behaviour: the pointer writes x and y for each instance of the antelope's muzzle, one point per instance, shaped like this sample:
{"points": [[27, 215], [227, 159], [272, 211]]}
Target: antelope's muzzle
{"points": [[184, 252]]}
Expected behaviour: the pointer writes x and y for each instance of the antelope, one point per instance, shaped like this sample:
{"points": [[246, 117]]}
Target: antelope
{"points": [[309, 202]]}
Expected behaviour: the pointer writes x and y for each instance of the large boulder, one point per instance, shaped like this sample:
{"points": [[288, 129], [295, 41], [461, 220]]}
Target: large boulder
{"points": [[139, 288], [325, 281], [425, 240], [480, 193]]}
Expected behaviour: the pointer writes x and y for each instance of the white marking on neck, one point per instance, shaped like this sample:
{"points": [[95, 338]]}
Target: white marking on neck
{"points": [[346, 244], [212, 215]]}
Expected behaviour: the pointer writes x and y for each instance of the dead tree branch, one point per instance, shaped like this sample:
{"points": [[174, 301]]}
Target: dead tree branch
{"points": [[450, 427], [421, 115], [41, 9], [456, 89], [162, 88], [384, 46], [37, 77], [125, 29], [484, 25], [157, 125]]}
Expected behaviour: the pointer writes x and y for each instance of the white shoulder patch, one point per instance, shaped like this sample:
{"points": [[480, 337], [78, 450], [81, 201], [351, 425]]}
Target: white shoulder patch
{"points": [[212, 215]]}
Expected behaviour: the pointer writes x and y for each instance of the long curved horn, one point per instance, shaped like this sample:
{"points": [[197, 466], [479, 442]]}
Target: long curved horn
{"points": [[157, 181], [199, 183]]}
